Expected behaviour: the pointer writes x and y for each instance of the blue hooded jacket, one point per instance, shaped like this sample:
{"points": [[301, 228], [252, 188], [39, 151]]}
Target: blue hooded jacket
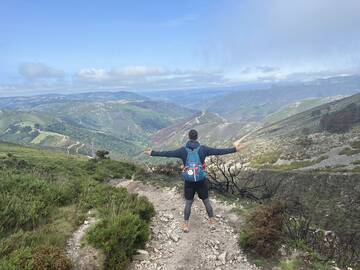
{"points": [[204, 151]]}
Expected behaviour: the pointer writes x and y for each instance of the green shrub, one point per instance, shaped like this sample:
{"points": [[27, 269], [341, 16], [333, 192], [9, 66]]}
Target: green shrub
{"points": [[119, 236], [355, 144], [243, 239], [45, 195], [349, 152], [19, 259], [265, 158], [108, 169], [27, 202]]}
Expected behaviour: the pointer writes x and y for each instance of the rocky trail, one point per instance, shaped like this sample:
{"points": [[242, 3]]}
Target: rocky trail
{"points": [[83, 256], [204, 247]]}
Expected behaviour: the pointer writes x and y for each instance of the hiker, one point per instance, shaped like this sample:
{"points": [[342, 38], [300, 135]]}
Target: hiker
{"points": [[193, 157]]}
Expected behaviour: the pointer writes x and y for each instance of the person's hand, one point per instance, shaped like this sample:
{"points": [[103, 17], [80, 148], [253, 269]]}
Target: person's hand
{"points": [[148, 151], [238, 146]]}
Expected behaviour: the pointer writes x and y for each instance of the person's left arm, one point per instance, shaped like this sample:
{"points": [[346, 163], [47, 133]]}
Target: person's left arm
{"points": [[209, 151]]}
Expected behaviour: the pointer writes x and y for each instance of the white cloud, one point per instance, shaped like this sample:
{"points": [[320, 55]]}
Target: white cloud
{"points": [[93, 74], [142, 71], [148, 77], [33, 71]]}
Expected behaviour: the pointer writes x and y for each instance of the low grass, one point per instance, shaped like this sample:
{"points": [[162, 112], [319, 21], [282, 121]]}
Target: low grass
{"points": [[45, 196], [355, 144], [289, 264], [297, 164], [349, 151], [356, 162], [265, 158]]}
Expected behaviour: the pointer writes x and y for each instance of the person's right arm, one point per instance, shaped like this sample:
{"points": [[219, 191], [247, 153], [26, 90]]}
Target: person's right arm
{"points": [[177, 153]]}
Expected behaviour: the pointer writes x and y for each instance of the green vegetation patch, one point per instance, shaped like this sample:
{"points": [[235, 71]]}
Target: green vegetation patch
{"points": [[356, 162], [349, 151], [355, 144], [297, 164], [45, 196], [265, 158]]}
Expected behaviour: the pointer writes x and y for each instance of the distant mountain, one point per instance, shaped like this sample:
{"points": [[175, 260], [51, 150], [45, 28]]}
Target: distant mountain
{"points": [[28, 102], [40, 130], [199, 97], [213, 130], [255, 105], [120, 122]]}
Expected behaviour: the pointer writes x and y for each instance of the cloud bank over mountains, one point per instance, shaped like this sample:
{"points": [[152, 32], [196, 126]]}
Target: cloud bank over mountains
{"points": [[42, 78]]}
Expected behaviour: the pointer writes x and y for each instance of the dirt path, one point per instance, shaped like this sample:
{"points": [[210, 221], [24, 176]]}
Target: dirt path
{"points": [[202, 248], [83, 256]]}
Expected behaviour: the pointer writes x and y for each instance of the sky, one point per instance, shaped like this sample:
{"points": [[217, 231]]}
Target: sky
{"points": [[76, 46]]}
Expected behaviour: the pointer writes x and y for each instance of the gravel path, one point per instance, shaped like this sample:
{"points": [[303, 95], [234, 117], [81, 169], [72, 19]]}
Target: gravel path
{"points": [[204, 247], [83, 256]]}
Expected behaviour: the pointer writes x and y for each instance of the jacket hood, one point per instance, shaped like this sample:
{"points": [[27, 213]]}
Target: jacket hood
{"points": [[192, 144]]}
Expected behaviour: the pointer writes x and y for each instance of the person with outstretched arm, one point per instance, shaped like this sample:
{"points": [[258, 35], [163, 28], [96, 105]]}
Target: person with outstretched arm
{"points": [[193, 156]]}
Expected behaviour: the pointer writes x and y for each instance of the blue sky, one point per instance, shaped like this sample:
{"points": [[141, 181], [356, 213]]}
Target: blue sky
{"points": [[74, 46]]}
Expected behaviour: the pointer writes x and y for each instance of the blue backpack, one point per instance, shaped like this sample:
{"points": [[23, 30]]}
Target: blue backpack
{"points": [[193, 171]]}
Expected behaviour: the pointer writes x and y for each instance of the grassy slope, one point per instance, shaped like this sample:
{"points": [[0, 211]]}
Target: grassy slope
{"points": [[295, 108], [45, 195]]}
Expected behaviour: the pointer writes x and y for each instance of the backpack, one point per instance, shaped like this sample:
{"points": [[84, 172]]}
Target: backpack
{"points": [[193, 171]]}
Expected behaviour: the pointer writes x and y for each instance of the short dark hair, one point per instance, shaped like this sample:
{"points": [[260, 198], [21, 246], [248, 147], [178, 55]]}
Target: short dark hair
{"points": [[193, 135]]}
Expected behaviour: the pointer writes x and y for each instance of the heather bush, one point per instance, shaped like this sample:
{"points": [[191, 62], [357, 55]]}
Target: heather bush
{"points": [[119, 236], [264, 229]]}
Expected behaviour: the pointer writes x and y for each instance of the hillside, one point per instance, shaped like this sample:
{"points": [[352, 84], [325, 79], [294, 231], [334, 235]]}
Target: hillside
{"points": [[213, 130], [107, 121], [326, 137], [297, 107], [255, 105], [45, 196]]}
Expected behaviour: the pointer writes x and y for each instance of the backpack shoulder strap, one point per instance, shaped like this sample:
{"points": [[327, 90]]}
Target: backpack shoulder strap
{"points": [[189, 150]]}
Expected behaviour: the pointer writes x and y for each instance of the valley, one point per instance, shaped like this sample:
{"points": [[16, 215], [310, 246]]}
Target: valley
{"points": [[301, 153], [277, 118]]}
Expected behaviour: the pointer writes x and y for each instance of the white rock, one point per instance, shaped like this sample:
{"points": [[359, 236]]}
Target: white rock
{"points": [[222, 257], [141, 255], [174, 237]]}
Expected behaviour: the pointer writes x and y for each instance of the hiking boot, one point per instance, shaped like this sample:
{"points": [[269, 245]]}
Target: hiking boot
{"points": [[185, 227], [212, 221]]}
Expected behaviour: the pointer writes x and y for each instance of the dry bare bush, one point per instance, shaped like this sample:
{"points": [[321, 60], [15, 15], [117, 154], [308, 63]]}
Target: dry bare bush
{"points": [[236, 179]]}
